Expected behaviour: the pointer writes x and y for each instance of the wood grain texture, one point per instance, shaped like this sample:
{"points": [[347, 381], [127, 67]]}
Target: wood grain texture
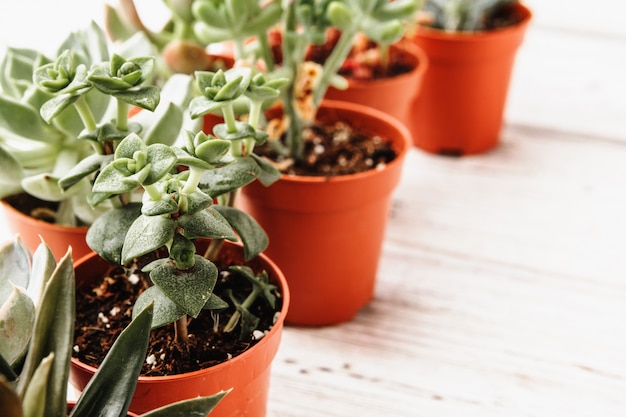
{"points": [[501, 288]]}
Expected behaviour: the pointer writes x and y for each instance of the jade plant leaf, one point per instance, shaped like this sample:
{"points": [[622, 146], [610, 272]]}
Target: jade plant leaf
{"points": [[192, 287], [147, 233], [254, 238]]}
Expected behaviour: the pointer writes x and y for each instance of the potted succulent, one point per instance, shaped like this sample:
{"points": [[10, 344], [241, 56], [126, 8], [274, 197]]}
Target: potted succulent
{"points": [[47, 126], [331, 262], [471, 47], [219, 306], [36, 345]]}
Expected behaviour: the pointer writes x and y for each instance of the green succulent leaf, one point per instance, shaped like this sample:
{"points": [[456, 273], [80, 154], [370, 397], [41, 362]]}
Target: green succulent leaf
{"points": [[84, 168], [200, 406], [53, 332], [385, 33], [269, 174], [122, 364], [15, 268], [230, 177], [11, 174], [260, 281], [207, 223], [146, 234], [248, 322], [212, 151], [215, 303], [17, 318], [182, 251], [165, 310], [190, 288], [254, 238], [34, 401], [197, 201], [21, 119], [107, 233]]}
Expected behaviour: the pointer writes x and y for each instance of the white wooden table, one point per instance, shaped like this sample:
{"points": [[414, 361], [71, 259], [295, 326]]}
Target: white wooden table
{"points": [[502, 288]]}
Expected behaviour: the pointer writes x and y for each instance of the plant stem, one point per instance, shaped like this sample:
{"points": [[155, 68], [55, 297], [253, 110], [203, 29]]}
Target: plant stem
{"points": [[195, 175], [122, 115], [247, 303], [153, 192], [85, 114], [181, 334]]}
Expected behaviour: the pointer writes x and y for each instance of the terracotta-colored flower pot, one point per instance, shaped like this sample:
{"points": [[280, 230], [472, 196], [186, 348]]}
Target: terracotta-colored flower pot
{"points": [[248, 374], [326, 233], [392, 95], [58, 238], [460, 107]]}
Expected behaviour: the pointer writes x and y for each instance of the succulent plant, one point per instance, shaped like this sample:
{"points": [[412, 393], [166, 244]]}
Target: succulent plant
{"points": [[37, 313]]}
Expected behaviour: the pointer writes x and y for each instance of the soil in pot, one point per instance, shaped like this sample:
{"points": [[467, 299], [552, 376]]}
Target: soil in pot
{"points": [[332, 150], [104, 309]]}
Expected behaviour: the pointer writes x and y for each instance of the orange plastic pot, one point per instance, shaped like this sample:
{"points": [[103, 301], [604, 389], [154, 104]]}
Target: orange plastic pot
{"points": [[58, 238], [392, 95], [461, 105], [247, 374], [326, 233]]}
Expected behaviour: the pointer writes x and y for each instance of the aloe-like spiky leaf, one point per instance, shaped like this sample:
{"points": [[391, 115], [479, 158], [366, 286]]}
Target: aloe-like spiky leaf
{"points": [[122, 365]]}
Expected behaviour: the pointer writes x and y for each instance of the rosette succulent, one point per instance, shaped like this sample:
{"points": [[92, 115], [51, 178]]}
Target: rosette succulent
{"points": [[63, 117]]}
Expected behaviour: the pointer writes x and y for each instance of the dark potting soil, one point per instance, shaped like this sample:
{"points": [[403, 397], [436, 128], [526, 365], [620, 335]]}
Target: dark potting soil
{"points": [[33, 207], [104, 309], [332, 150]]}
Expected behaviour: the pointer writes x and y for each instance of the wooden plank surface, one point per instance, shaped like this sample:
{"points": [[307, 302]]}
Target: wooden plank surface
{"points": [[501, 289]]}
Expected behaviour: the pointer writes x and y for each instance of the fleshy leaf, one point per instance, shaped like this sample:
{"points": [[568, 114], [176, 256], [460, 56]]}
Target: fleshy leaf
{"points": [[147, 233], [106, 235], [165, 310], [254, 238], [207, 223], [190, 288]]}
